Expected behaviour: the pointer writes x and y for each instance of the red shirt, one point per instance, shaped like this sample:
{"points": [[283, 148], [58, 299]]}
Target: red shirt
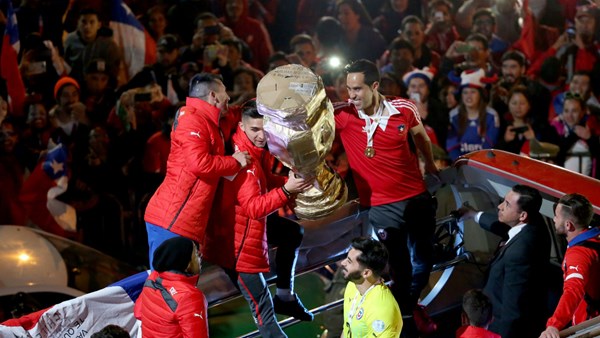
{"points": [[393, 174], [581, 268], [469, 331]]}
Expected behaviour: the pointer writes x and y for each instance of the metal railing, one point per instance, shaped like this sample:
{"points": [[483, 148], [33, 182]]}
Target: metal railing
{"points": [[466, 256], [589, 328]]}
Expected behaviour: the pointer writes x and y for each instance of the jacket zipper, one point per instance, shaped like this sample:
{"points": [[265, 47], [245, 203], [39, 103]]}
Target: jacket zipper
{"points": [[237, 257], [182, 205]]}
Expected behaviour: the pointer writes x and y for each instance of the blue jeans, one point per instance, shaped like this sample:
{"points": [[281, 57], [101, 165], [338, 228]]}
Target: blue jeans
{"points": [[156, 236]]}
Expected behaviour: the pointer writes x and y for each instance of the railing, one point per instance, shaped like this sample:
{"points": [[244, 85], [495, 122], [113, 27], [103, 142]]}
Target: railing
{"points": [[589, 328], [466, 256]]}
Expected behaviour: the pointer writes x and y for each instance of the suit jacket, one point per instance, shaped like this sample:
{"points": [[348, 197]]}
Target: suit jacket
{"points": [[516, 283]]}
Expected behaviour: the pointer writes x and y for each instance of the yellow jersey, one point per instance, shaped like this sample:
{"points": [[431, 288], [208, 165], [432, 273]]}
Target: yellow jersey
{"points": [[374, 314]]}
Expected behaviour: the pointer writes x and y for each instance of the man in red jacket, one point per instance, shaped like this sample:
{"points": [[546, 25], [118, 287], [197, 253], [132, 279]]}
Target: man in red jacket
{"points": [[581, 266], [239, 243], [170, 305], [181, 205]]}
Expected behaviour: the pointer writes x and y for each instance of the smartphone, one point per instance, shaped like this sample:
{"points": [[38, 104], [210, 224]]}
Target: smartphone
{"points": [[211, 51], [464, 48], [438, 16], [142, 97], [571, 33], [415, 97], [519, 130], [212, 30]]}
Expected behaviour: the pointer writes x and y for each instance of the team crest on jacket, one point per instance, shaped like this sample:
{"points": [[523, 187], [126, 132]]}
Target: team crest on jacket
{"points": [[401, 128], [378, 326], [360, 313]]}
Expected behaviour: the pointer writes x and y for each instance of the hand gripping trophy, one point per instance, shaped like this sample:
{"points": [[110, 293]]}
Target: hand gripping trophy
{"points": [[299, 124]]}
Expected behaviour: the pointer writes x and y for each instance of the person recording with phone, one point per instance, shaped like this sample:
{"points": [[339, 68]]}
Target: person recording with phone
{"points": [[441, 32], [522, 128], [473, 53], [433, 113], [578, 43]]}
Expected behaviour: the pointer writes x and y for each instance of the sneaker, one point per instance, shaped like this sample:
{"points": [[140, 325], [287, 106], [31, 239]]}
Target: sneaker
{"points": [[293, 308]]}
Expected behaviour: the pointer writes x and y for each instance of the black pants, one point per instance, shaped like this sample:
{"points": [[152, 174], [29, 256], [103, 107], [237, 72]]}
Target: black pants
{"points": [[286, 235], [406, 229]]}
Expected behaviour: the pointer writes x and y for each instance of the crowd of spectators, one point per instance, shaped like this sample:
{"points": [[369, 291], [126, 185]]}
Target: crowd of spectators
{"points": [[484, 74]]}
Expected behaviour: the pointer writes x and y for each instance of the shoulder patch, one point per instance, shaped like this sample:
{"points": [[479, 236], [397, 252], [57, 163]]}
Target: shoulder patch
{"points": [[378, 326]]}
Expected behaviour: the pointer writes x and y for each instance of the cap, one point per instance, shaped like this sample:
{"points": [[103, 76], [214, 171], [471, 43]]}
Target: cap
{"points": [[426, 74], [168, 42], [472, 78], [62, 82], [173, 254]]}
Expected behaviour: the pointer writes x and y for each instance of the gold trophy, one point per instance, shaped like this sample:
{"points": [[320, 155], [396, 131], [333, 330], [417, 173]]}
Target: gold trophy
{"points": [[300, 128]]}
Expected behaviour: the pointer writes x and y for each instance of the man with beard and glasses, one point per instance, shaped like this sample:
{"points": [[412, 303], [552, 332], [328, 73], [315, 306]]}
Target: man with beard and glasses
{"points": [[370, 308], [513, 73]]}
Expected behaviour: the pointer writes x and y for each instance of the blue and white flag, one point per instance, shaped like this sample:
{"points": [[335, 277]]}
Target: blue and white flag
{"points": [[85, 315], [132, 38]]}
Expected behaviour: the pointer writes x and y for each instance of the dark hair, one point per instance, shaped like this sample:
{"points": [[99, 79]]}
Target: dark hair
{"points": [[399, 43], [478, 308], [373, 254], [437, 3], [357, 7], [300, 39], [519, 89], [368, 68], [278, 56], [235, 42], [530, 199], [484, 12], [329, 31], [204, 16], [202, 83], [111, 331], [88, 11], [411, 19], [246, 70], [249, 110], [463, 119], [516, 56], [578, 208], [480, 38]]}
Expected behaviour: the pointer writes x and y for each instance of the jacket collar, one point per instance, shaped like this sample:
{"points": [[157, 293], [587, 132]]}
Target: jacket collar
{"points": [[243, 143], [211, 111], [178, 276]]}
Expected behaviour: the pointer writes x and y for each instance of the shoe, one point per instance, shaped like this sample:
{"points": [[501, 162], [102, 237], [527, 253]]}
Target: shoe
{"points": [[293, 308]]}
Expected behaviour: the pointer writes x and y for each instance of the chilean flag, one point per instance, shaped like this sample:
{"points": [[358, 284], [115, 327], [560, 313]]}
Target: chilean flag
{"points": [[84, 315], [9, 63], [40, 191], [138, 47]]}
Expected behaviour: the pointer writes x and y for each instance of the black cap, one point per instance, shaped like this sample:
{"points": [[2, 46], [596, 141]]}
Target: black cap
{"points": [[168, 42], [174, 254]]}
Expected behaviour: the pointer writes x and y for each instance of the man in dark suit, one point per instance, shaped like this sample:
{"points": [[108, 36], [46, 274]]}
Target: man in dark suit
{"points": [[516, 283]]}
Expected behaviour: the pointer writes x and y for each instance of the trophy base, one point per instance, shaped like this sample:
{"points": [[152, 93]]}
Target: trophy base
{"points": [[319, 202]]}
